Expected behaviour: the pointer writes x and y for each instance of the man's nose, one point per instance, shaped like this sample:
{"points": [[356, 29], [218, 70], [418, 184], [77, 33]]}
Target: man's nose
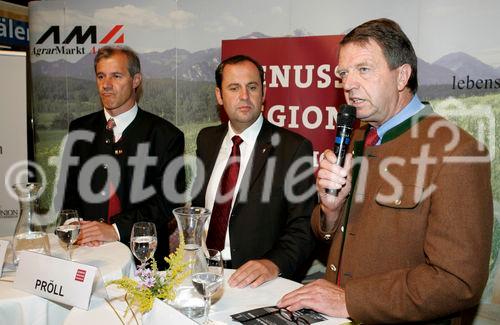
{"points": [[244, 93], [106, 83], [350, 81]]}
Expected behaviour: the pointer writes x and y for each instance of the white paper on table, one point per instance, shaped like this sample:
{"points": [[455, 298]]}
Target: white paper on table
{"points": [[162, 311]]}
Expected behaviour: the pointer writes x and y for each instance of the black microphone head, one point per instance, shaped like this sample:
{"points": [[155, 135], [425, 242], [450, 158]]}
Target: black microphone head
{"points": [[347, 115]]}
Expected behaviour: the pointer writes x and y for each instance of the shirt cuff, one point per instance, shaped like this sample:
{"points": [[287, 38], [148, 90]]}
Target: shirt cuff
{"points": [[117, 232]]}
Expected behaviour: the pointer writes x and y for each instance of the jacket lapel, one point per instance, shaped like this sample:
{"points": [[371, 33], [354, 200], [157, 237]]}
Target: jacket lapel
{"points": [[262, 149], [211, 155], [99, 143]]}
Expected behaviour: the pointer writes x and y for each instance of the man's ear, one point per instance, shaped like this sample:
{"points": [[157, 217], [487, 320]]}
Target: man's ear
{"points": [[218, 96], [404, 73], [137, 80]]}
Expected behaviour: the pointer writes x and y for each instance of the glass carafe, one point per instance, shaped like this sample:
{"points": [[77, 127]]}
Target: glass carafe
{"points": [[29, 234], [191, 223]]}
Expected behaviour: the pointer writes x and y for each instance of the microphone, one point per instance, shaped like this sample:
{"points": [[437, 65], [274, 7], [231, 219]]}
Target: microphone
{"points": [[345, 123]]}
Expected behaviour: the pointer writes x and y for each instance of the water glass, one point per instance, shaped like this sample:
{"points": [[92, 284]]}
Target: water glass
{"points": [[207, 282], [143, 240], [68, 228]]}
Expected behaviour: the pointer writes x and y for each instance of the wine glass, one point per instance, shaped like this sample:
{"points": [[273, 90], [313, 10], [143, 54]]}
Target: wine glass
{"points": [[208, 281], [68, 228], [143, 240]]}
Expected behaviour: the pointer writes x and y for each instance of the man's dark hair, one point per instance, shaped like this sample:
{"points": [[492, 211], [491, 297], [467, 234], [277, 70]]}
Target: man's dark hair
{"points": [[133, 62], [134, 65], [234, 60], [395, 45]]}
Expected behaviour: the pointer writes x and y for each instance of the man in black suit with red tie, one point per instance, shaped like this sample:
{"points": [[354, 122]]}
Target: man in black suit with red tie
{"points": [[120, 175], [258, 182]]}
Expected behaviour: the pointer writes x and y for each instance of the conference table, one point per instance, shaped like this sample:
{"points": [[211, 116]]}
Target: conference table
{"points": [[227, 302], [113, 260]]}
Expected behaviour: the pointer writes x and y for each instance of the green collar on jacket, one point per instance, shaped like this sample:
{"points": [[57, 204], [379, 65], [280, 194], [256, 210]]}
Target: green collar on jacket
{"points": [[395, 131], [406, 124]]}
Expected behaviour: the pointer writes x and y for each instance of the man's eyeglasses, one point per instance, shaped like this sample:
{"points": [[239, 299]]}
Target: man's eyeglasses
{"points": [[288, 316]]}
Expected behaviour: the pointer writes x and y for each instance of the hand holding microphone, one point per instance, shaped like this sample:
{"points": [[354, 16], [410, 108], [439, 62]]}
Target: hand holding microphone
{"points": [[345, 123]]}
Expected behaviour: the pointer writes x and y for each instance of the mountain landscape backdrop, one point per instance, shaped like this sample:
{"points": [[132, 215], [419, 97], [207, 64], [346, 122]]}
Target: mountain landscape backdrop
{"points": [[200, 66]]}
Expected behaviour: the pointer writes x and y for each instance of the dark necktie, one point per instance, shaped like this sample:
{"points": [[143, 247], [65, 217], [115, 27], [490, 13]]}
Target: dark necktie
{"points": [[114, 204], [372, 137], [224, 198], [110, 125]]}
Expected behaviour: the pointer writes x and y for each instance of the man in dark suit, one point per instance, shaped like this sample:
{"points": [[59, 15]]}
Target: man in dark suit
{"points": [[120, 175], [259, 182]]}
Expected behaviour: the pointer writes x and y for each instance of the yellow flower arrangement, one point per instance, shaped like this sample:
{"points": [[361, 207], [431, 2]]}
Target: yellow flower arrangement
{"points": [[153, 283]]}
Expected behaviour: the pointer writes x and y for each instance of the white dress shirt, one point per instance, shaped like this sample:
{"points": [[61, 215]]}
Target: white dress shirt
{"points": [[122, 121], [249, 136]]}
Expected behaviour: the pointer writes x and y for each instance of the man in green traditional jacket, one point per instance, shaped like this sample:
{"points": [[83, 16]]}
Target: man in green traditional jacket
{"points": [[410, 228]]}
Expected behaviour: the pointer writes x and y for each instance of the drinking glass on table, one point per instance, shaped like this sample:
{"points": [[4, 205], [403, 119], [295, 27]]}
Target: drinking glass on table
{"points": [[207, 282], [68, 228], [143, 240]]}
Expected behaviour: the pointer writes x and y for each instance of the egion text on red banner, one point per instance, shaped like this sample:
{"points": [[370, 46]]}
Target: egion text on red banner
{"points": [[303, 94]]}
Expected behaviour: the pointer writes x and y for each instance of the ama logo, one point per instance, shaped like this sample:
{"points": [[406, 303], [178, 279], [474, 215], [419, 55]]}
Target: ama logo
{"points": [[74, 41]]}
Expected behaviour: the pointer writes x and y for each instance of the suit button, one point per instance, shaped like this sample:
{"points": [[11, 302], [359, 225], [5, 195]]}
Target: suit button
{"points": [[327, 237], [333, 268], [108, 141]]}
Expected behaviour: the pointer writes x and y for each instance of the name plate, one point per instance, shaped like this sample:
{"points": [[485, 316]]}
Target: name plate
{"points": [[3, 249], [56, 279]]}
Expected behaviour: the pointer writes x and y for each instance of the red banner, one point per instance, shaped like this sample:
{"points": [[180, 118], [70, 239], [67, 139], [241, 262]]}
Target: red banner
{"points": [[303, 94]]}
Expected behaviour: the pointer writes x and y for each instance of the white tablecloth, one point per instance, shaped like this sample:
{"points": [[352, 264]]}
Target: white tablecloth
{"points": [[113, 260], [231, 301]]}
